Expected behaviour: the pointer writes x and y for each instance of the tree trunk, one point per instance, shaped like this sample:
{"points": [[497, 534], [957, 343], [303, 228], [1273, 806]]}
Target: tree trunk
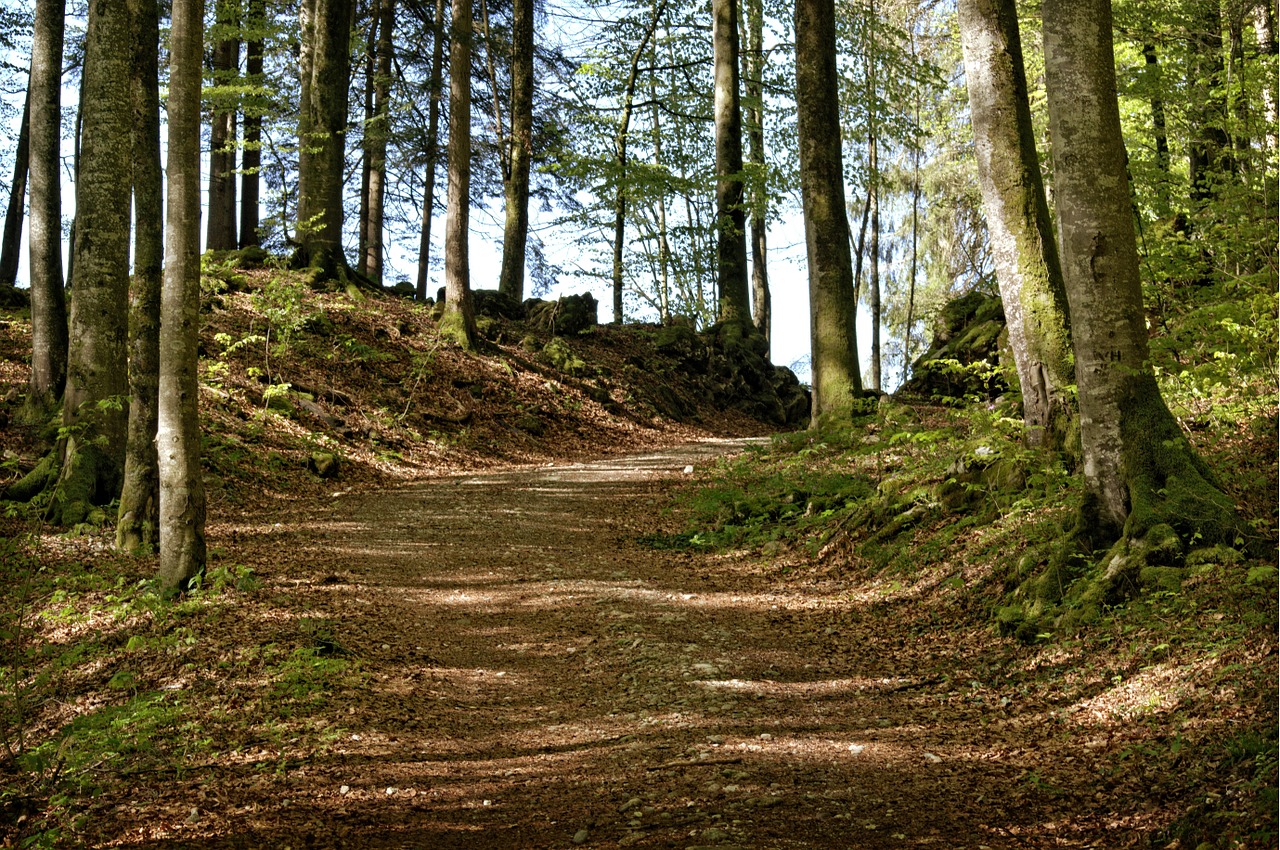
{"points": [[873, 283], [322, 121], [137, 529], [433, 149], [93, 412], [370, 70], [11, 242], [1142, 474], [1020, 231], [515, 233], [1264, 27], [754, 65], [620, 160], [1159, 130], [664, 244], [1209, 149], [836, 380], [222, 129], [731, 241], [376, 134], [48, 300], [182, 501], [458, 321], [252, 109]]}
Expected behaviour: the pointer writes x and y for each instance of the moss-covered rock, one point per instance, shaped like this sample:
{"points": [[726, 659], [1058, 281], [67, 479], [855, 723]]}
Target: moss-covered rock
{"points": [[964, 357]]}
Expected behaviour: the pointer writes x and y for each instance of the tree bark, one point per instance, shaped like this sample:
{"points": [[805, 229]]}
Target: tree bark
{"points": [[182, 499], [515, 233], [873, 282], [433, 149], [1159, 129], [731, 241], [223, 211], [48, 300], [376, 134], [137, 529], [11, 242], [94, 403], [252, 110], [458, 321], [322, 132], [1020, 231], [836, 380], [1209, 149], [754, 64], [1141, 473]]}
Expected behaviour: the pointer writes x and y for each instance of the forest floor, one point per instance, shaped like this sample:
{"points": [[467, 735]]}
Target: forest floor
{"points": [[480, 634]]}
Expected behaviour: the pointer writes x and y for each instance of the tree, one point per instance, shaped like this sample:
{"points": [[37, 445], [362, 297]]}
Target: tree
{"points": [[377, 128], [48, 301], [1022, 242], [137, 529], [325, 66], [753, 63], [93, 412], [222, 128], [11, 242], [435, 88], [182, 501], [836, 381], [515, 178], [253, 107], [1144, 479], [731, 252], [458, 321]]}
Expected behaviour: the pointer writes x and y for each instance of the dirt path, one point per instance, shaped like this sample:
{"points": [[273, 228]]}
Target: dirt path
{"points": [[536, 678]]}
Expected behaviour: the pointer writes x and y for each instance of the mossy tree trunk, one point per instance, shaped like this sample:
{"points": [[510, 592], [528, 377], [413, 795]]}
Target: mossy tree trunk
{"points": [[1021, 236], [222, 128], [433, 149], [48, 301], [1142, 475], [94, 405], [836, 379], [458, 321], [731, 237], [515, 232], [137, 529], [325, 66], [182, 501]]}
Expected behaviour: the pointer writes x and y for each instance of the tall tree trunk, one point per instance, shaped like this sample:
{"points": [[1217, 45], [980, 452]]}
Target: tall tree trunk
{"points": [[222, 133], [48, 299], [11, 242], [458, 321], [97, 388], [873, 283], [322, 122], [182, 500], [620, 160], [754, 65], [1142, 474], [515, 232], [1020, 231], [370, 71], [836, 380], [377, 131], [915, 254], [731, 241], [1264, 27], [137, 529], [252, 109], [860, 248], [664, 244], [1209, 149], [1159, 129], [433, 149]]}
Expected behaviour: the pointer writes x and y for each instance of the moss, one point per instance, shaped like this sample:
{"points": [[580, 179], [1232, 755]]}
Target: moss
{"points": [[34, 482], [455, 327], [558, 354]]}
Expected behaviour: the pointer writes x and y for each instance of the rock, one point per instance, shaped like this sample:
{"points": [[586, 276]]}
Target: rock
{"points": [[403, 288], [324, 464], [566, 316], [496, 305], [580, 837]]}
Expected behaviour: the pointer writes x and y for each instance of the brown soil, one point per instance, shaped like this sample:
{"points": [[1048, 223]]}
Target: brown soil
{"points": [[530, 676]]}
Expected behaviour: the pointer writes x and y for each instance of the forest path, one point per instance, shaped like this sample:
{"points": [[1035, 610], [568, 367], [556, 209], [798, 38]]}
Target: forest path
{"points": [[535, 677]]}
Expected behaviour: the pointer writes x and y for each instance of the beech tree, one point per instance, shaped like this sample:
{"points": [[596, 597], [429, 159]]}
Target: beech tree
{"points": [[93, 413], [435, 89], [836, 379], [137, 528], [731, 242], [1144, 479], [48, 301], [459, 321], [1022, 241], [11, 241], [182, 500], [223, 212], [517, 153]]}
